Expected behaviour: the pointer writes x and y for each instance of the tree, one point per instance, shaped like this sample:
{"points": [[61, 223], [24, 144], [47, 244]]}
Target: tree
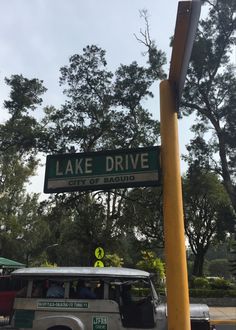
{"points": [[19, 135], [156, 58], [210, 94], [208, 214], [103, 110], [21, 224], [20, 221], [14, 174], [21, 132], [232, 259], [80, 223], [142, 213]]}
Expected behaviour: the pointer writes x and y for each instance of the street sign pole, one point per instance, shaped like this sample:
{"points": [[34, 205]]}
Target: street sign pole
{"points": [[170, 95], [175, 255]]}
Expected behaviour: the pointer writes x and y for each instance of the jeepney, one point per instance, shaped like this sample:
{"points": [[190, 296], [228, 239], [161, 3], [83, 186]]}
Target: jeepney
{"points": [[120, 298]]}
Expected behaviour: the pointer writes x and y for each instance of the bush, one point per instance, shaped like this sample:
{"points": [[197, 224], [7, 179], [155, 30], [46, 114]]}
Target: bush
{"points": [[203, 293], [220, 283], [152, 264], [200, 283], [113, 260]]}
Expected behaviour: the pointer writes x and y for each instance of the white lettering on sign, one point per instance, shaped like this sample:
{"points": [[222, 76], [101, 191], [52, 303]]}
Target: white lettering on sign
{"points": [[99, 320], [144, 161], [79, 166], [114, 163], [115, 179], [118, 163], [134, 161], [88, 165], [69, 168], [121, 163], [80, 182], [58, 169], [109, 163]]}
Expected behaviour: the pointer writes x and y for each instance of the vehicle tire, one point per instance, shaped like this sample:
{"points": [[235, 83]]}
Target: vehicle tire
{"points": [[59, 327]]}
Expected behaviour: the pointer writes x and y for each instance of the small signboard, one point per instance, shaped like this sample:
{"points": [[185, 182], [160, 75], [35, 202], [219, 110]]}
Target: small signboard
{"points": [[103, 170], [100, 323], [99, 252], [98, 263], [61, 304]]}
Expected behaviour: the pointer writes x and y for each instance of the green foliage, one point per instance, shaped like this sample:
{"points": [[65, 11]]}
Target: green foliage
{"points": [[48, 264], [210, 94], [79, 223], [219, 284], [152, 264], [208, 213], [200, 283], [21, 132], [106, 108], [142, 214], [113, 260], [208, 293], [24, 95], [103, 110], [211, 287], [21, 224]]}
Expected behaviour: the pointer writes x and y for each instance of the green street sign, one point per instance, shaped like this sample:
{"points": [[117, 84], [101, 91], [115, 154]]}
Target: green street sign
{"points": [[103, 170]]}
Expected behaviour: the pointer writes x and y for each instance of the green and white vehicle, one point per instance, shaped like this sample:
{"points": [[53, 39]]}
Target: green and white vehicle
{"points": [[120, 298]]}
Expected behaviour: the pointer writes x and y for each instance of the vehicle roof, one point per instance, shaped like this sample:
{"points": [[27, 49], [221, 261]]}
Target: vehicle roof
{"points": [[81, 271]]}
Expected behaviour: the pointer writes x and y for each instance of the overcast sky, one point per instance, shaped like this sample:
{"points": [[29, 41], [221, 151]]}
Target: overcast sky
{"points": [[37, 37]]}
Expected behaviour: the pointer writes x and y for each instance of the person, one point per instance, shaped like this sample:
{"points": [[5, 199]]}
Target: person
{"points": [[55, 290], [99, 290], [83, 291]]}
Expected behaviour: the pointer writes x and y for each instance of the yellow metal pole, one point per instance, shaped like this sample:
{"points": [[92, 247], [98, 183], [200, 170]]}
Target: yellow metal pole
{"points": [[175, 253]]}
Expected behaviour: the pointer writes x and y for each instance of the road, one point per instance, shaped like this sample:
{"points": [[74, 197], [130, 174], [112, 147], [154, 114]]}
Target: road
{"points": [[225, 327], [222, 326], [218, 327]]}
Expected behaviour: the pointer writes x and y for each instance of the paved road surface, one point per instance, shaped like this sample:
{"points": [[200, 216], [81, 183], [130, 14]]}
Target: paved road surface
{"points": [[223, 313], [225, 327]]}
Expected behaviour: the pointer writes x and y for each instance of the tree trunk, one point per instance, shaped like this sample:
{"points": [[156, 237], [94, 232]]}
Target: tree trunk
{"points": [[225, 171], [198, 264]]}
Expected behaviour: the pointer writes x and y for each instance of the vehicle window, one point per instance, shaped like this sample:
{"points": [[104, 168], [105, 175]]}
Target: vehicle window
{"points": [[55, 289], [135, 291], [39, 289], [22, 292], [86, 289], [11, 284], [5, 284], [136, 304]]}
